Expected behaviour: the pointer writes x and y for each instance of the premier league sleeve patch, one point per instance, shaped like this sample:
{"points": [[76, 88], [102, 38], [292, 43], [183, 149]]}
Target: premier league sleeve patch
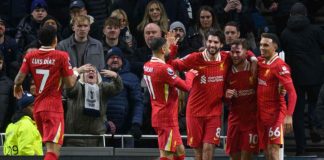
{"points": [[171, 73], [284, 70]]}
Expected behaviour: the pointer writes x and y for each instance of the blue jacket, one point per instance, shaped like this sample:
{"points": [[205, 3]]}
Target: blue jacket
{"points": [[127, 107]]}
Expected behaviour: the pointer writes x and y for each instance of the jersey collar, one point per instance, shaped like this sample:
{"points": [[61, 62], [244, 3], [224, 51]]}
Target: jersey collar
{"points": [[155, 59], [206, 57], [46, 48]]}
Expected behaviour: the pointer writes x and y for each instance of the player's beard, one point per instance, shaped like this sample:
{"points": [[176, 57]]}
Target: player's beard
{"points": [[212, 50]]}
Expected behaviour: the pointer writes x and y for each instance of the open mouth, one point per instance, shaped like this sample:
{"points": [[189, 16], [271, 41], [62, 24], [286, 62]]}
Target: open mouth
{"points": [[91, 77]]}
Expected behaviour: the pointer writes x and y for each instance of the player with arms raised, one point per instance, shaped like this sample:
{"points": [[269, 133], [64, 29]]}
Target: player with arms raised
{"points": [[162, 82]]}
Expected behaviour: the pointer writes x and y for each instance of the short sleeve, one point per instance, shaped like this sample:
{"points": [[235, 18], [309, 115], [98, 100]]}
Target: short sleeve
{"points": [[25, 64], [67, 67]]}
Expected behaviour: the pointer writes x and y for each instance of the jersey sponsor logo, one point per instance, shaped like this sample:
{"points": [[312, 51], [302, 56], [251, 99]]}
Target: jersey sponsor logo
{"points": [[203, 79], [284, 71], [148, 69], [202, 67], [43, 61], [170, 71], [246, 92], [262, 82]]}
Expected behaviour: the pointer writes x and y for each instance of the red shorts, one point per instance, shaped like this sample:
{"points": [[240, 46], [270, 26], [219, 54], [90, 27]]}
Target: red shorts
{"points": [[203, 130], [270, 134], [50, 126], [238, 140], [169, 138]]}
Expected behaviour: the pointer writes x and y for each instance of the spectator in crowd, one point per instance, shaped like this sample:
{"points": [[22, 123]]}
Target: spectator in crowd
{"points": [[29, 25], [10, 51], [6, 100], [302, 43], [162, 83], [154, 13], [125, 110], [125, 33], [22, 135], [82, 48], [143, 54], [274, 112], [180, 34], [48, 112], [175, 10], [205, 21], [112, 38], [242, 135], [99, 9], [78, 8], [231, 32], [86, 109]]}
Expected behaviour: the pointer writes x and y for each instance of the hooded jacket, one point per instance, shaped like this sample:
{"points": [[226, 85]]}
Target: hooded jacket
{"points": [[76, 122], [126, 108], [302, 44]]}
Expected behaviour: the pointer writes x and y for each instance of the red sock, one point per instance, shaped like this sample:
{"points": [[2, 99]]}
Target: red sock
{"points": [[164, 158], [179, 157], [50, 156]]}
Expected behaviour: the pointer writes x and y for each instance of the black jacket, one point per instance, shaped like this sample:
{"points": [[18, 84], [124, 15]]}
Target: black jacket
{"points": [[7, 102], [302, 43]]}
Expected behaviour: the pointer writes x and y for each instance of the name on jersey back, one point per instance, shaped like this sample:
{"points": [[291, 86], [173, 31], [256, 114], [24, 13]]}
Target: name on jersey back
{"points": [[43, 61]]}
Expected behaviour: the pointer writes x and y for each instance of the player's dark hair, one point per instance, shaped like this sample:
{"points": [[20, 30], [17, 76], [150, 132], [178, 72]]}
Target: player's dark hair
{"points": [[241, 41], [216, 33], [47, 35], [157, 43], [272, 36], [233, 24]]}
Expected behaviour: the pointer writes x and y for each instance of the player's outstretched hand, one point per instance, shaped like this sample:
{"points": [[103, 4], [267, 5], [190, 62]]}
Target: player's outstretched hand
{"points": [[230, 93], [288, 124], [171, 38], [18, 91], [195, 72], [108, 73]]}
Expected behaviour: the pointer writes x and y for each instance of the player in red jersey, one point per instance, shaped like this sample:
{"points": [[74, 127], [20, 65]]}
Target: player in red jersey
{"points": [[204, 107], [242, 136], [162, 82], [48, 68], [274, 117]]}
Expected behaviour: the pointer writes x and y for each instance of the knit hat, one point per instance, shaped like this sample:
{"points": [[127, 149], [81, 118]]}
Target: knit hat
{"points": [[77, 4], [38, 4], [114, 51], [177, 24], [26, 99], [298, 9]]}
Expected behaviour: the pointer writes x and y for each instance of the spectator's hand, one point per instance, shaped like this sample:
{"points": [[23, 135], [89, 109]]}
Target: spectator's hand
{"points": [[230, 93], [83, 69], [171, 38], [230, 5], [111, 128], [288, 124], [136, 131], [238, 6], [18, 91], [273, 7], [108, 73]]}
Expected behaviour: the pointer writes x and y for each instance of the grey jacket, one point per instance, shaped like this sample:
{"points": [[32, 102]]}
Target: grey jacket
{"points": [[93, 52], [76, 122]]}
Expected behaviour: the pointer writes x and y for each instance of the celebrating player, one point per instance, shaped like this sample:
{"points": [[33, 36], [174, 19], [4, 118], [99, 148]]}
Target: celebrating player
{"points": [[242, 137], [274, 117], [162, 82], [48, 68]]}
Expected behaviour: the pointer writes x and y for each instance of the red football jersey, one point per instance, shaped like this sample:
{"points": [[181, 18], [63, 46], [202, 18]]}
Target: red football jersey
{"points": [[243, 108], [205, 97], [162, 82], [48, 67], [271, 76]]}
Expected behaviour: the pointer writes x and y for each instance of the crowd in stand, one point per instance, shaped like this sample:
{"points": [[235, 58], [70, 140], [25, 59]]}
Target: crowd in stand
{"points": [[114, 35]]}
